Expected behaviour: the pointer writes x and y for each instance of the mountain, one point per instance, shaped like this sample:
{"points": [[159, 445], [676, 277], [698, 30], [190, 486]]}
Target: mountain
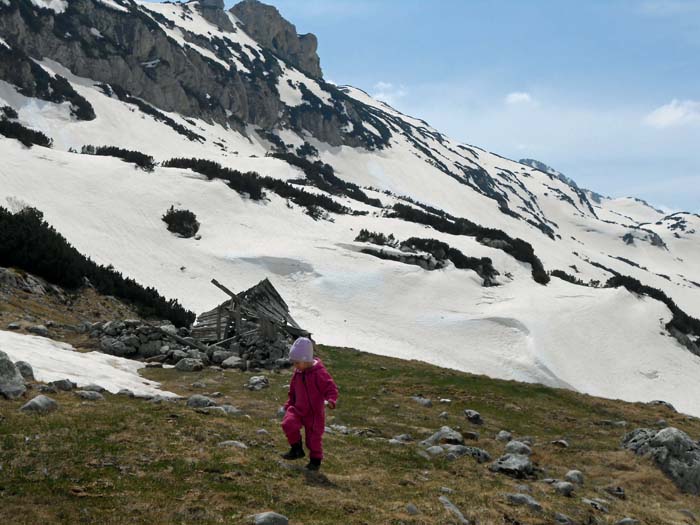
{"points": [[494, 267]]}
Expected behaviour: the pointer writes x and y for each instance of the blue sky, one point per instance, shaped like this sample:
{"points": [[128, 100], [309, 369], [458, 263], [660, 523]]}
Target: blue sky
{"points": [[608, 92]]}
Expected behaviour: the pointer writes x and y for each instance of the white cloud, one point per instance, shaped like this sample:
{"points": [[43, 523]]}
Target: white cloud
{"points": [[388, 92], [518, 97], [675, 113]]}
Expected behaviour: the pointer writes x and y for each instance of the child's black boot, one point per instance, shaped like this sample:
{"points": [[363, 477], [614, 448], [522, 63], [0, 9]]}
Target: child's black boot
{"points": [[314, 464], [296, 452]]}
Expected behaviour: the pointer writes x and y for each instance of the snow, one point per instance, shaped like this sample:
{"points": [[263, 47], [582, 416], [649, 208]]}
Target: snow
{"points": [[113, 5], [3, 43], [292, 96], [95, 32], [52, 361], [58, 6]]}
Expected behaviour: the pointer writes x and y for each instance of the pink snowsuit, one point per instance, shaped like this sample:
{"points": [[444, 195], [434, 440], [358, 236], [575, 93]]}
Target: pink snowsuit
{"points": [[308, 389]]}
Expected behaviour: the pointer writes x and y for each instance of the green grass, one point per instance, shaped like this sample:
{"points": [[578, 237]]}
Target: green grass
{"points": [[130, 461]]}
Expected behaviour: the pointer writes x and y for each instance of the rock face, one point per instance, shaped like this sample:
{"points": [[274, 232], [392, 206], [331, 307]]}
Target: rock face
{"points": [[11, 381], [673, 451], [265, 24]]}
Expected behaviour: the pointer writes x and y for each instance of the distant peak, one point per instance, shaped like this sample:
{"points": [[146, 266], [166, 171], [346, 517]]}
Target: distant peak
{"points": [[270, 29]]}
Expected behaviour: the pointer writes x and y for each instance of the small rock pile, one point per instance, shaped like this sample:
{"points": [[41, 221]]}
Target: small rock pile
{"points": [[135, 339]]}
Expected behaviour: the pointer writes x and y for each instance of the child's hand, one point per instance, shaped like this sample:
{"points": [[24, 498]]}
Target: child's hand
{"points": [[331, 405]]}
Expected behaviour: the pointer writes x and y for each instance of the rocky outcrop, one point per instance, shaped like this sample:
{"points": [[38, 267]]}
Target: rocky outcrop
{"points": [[673, 451], [11, 381], [265, 24], [213, 11]]}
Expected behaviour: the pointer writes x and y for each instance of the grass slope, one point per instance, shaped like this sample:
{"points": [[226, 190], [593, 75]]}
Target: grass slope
{"points": [[131, 461]]}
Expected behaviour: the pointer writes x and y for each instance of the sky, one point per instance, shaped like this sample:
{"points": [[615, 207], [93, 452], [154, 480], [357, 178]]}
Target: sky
{"points": [[605, 91]]}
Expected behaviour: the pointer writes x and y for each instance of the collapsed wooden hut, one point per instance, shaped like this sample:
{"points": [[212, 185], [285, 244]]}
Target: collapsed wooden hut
{"points": [[251, 318]]}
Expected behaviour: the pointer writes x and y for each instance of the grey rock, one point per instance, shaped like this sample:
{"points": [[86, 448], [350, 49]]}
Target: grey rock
{"points": [[518, 447], [412, 509], [473, 417], [435, 450], [14, 326], [89, 395], [666, 404], [281, 412], [561, 443], [456, 451], [199, 401], [673, 451], [233, 362], [627, 521], [444, 436], [524, 499], [444, 415], [564, 488], [219, 356], [48, 389], [112, 346], [447, 490], [452, 509], [598, 504], [562, 519], [233, 444], [189, 365], [574, 476], [40, 404], [11, 380], [445, 401], [256, 383], [39, 329], [404, 438], [617, 492], [262, 432], [504, 436], [65, 385], [269, 518], [423, 401], [513, 465], [26, 370], [125, 392], [92, 387]]}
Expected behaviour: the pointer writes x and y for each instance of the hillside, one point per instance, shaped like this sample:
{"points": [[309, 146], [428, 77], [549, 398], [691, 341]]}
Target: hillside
{"points": [[305, 166]]}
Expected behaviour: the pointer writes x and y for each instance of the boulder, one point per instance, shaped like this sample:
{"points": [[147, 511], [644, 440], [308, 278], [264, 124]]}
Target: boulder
{"points": [[39, 329], [199, 401], [574, 476], [564, 488], [423, 401], [258, 383], [189, 365], [219, 356], [456, 451], [232, 362], [518, 447], [473, 417], [412, 510], [443, 436], [65, 385], [504, 436], [92, 387], [40, 404], [513, 465], [269, 518], [89, 395], [26, 370], [524, 499], [673, 451], [11, 380]]}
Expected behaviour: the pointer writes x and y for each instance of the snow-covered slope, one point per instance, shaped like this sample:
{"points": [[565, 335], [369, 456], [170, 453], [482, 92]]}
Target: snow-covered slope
{"points": [[602, 341]]}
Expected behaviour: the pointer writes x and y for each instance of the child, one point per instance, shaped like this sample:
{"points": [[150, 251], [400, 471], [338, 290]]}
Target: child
{"points": [[311, 385]]}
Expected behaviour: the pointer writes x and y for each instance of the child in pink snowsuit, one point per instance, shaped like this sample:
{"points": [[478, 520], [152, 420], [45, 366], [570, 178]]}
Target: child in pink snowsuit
{"points": [[310, 387]]}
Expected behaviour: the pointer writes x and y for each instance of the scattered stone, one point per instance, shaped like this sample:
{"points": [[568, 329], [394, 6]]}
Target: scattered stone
{"points": [[450, 507], [48, 389], [223, 410], [423, 401], [472, 436], [504, 436], [39, 329], [11, 380], [444, 436], [281, 412], [125, 392], [564, 488], [445, 401], [562, 443], [40, 404], [524, 499], [473, 417], [456, 451], [94, 388], [200, 401], [189, 364], [412, 509], [444, 415], [562, 519], [673, 451], [26, 370], [659, 402], [446, 490], [518, 447], [269, 518], [234, 444], [513, 465], [617, 492], [89, 396], [65, 385], [14, 326], [597, 504], [233, 362], [627, 521], [257, 383], [574, 476], [262, 432], [435, 450]]}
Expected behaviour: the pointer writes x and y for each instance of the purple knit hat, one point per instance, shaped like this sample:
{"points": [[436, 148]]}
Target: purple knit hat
{"points": [[302, 350]]}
